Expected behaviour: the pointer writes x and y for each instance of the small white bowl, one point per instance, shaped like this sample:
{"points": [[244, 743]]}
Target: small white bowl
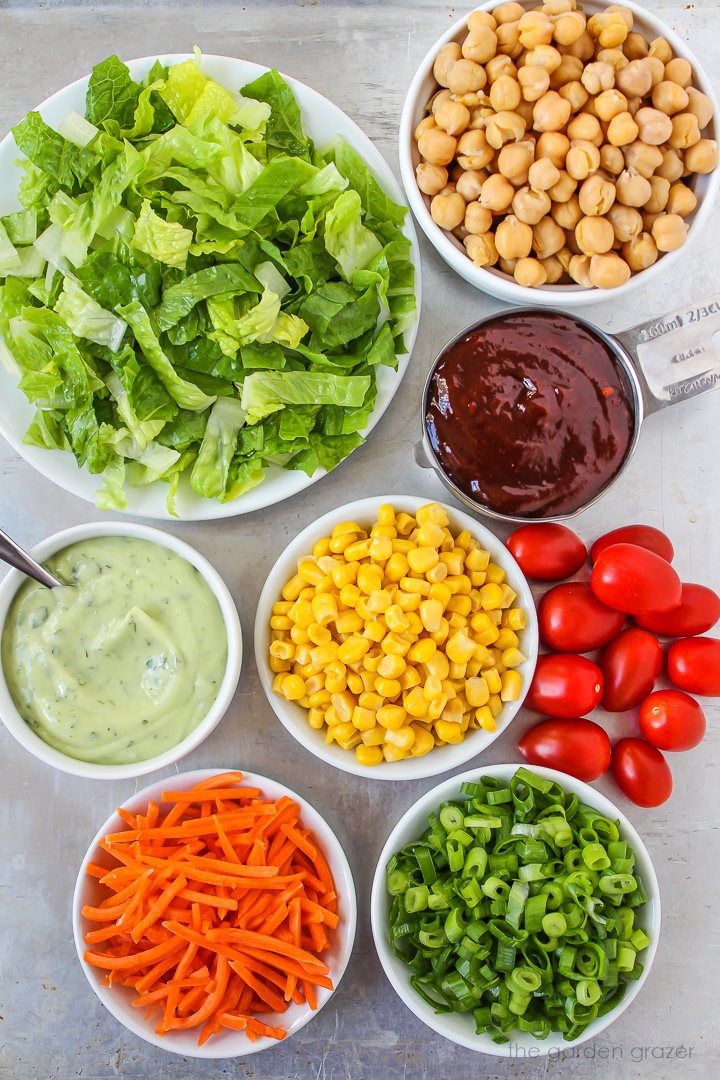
{"points": [[22, 731], [226, 1044], [494, 281], [459, 1027], [294, 717]]}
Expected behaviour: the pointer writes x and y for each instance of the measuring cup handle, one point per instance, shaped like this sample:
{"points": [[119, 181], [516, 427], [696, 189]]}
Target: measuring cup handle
{"points": [[676, 356]]}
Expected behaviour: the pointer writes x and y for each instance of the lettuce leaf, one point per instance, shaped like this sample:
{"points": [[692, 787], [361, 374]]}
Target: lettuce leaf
{"points": [[166, 241]]}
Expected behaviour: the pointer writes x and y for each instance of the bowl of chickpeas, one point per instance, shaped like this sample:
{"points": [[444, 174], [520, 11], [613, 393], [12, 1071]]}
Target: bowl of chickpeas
{"points": [[396, 638], [568, 147]]}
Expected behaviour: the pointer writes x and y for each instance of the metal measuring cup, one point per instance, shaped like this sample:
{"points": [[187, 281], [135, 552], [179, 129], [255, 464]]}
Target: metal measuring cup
{"points": [[665, 360]]}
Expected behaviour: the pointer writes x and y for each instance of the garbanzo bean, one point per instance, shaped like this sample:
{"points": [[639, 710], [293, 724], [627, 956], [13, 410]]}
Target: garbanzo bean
{"points": [[481, 248], [444, 60], [508, 13], [609, 27], [679, 70], [548, 238], [635, 79], [534, 82], [685, 131], [635, 46], [473, 150], [654, 126], [469, 185], [452, 117], [585, 126], [514, 162], [550, 112], [640, 252], [500, 65], [505, 94], [611, 159], [626, 221], [643, 158], [622, 130], [579, 270], [567, 214], [594, 235], [497, 193], [671, 164], [425, 124], [700, 106], [564, 188], [598, 77], [466, 76], [480, 45], [632, 189], [437, 147], [608, 271], [481, 18], [504, 127], [535, 29], [583, 159], [575, 93], [513, 238], [681, 200], [544, 56], [530, 272], [661, 48], [669, 97], [530, 206], [508, 35], [553, 145], [669, 231], [567, 28], [477, 218], [570, 70], [616, 58], [596, 195], [553, 269], [431, 178], [660, 190], [542, 174], [448, 210], [610, 103], [583, 48]]}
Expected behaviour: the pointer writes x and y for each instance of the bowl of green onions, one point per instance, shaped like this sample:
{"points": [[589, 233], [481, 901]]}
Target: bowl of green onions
{"points": [[515, 910]]}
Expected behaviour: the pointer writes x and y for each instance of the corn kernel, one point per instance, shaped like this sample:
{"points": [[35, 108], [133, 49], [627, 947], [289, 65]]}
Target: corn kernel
{"points": [[422, 650], [354, 683], [339, 544], [374, 631], [344, 574], [278, 681], [435, 708], [363, 610], [433, 513], [281, 622], [460, 648], [441, 592], [512, 657], [282, 607], [324, 608], [321, 547], [506, 639], [509, 596], [433, 688], [363, 719], [279, 665], [457, 671], [516, 619], [431, 613], [477, 559], [394, 645], [370, 661], [431, 535], [495, 573], [401, 546], [459, 605], [408, 601], [292, 589], [495, 616], [402, 737], [477, 578], [511, 686], [348, 622], [323, 654], [484, 629], [453, 561], [388, 688], [320, 698], [374, 736], [331, 717], [282, 650], [353, 649], [293, 688], [455, 621], [393, 753], [319, 635], [477, 691], [423, 741], [462, 540], [495, 704], [415, 585], [492, 678], [449, 732], [316, 719], [437, 574], [485, 718], [453, 712], [438, 665], [391, 666], [404, 524], [410, 678], [368, 755], [491, 596], [369, 578], [379, 601], [349, 595], [380, 549]]}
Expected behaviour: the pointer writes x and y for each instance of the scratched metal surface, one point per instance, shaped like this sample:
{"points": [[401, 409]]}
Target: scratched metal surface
{"points": [[361, 55]]}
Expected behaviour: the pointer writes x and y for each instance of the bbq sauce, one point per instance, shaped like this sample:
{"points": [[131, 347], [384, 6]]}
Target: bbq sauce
{"points": [[530, 414]]}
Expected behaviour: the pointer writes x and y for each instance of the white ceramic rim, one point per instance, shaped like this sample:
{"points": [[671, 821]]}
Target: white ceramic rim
{"points": [[279, 484], [229, 1044], [495, 282], [412, 824], [23, 733], [294, 718]]}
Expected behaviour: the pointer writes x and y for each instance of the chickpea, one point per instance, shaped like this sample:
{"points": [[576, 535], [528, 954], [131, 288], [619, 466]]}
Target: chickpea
{"points": [[583, 159], [679, 71], [514, 162], [481, 18], [608, 271], [497, 193], [661, 49], [575, 93], [505, 94], [500, 65], [594, 235], [508, 13], [444, 60], [551, 112], [669, 232], [553, 145], [635, 47], [470, 184], [535, 29], [702, 157], [480, 45], [685, 131], [534, 82], [609, 104], [670, 98], [508, 35], [430, 178], [570, 70], [543, 175], [568, 27], [465, 76], [579, 270], [481, 249], [478, 117], [611, 159], [437, 100], [596, 196], [452, 117], [425, 124], [471, 100], [681, 200], [659, 192], [507, 265], [622, 130], [564, 189], [640, 252], [627, 222], [563, 256], [700, 106], [455, 172], [448, 211], [645, 159], [632, 189], [567, 214], [437, 147], [513, 238], [473, 150], [553, 269], [530, 206], [598, 77], [585, 127], [544, 56], [548, 238], [654, 126], [609, 27], [530, 272], [635, 80], [525, 109], [671, 164], [477, 218], [656, 69], [583, 48], [558, 7], [504, 127]]}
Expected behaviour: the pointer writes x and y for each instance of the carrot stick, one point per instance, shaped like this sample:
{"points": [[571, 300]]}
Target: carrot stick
{"points": [[194, 796], [299, 840], [162, 902], [134, 961]]}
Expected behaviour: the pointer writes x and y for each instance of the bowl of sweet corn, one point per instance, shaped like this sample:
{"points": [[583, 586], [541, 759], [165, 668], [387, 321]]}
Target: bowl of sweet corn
{"points": [[396, 638]]}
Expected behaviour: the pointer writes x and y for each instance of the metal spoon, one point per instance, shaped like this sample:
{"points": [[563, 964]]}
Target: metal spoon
{"points": [[12, 553]]}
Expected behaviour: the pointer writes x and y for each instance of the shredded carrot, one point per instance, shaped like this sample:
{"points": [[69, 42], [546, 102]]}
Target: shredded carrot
{"points": [[214, 911]]}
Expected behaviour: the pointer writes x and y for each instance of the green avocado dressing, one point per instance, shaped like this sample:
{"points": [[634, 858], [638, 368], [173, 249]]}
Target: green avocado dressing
{"points": [[123, 663]]}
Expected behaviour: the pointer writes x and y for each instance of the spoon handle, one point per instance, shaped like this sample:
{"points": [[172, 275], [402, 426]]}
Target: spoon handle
{"points": [[15, 556]]}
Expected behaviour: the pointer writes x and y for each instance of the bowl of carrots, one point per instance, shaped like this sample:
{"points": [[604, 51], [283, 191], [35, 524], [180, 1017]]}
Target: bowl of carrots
{"points": [[214, 913]]}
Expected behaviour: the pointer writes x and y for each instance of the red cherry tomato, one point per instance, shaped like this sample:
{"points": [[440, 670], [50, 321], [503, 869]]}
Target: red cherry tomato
{"points": [[694, 665], [644, 536], [630, 665], [572, 619], [565, 685], [672, 720], [641, 772], [633, 579], [698, 612], [579, 747], [547, 552]]}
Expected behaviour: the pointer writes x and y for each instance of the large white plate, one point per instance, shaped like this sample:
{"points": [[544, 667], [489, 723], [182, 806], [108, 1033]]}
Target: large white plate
{"points": [[322, 120]]}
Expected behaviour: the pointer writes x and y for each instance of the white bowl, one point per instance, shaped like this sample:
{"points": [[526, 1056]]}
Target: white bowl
{"points": [[322, 120], [22, 731], [460, 1028], [294, 717], [494, 281], [226, 1044]]}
